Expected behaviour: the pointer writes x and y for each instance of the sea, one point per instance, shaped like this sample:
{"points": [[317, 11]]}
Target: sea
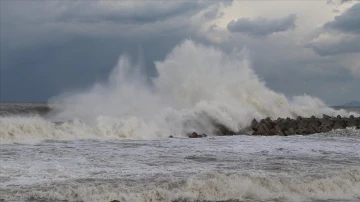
{"points": [[111, 141]]}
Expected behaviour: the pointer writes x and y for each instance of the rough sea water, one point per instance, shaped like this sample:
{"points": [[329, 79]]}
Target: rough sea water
{"points": [[111, 142]]}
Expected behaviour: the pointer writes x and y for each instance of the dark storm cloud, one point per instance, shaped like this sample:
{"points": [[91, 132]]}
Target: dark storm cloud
{"points": [[347, 22], [139, 12], [349, 44], [262, 26], [49, 47], [36, 22], [37, 74]]}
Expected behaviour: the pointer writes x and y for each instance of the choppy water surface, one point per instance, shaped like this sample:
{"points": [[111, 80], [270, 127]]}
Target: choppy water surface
{"points": [[299, 168]]}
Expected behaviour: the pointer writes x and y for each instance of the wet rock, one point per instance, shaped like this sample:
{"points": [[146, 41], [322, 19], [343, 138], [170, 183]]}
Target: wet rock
{"points": [[279, 131], [267, 123], [303, 131], [357, 121], [292, 124], [272, 132], [264, 128], [114, 201], [222, 130], [314, 122], [195, 135], [351, 123], [291, 131], [313, 129], [254, 124], [302, 126], [281, 126], [171, 136], [338, 125], [257, 133], [325, 128], [327, 122]]}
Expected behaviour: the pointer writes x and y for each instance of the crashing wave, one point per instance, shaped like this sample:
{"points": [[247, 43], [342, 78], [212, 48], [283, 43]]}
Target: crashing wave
{"points": [[197, 88]]}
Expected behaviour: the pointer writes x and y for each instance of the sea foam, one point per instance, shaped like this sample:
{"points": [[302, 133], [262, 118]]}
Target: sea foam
{"points": [[196, 88], [344, 185]]}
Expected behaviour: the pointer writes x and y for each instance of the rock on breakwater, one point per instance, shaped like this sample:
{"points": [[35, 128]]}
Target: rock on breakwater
{"points": [[288, 126], [302, 126]]}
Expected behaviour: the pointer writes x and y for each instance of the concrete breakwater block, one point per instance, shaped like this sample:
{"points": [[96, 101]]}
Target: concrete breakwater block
{"points": [[288, 126], [302, 126]]}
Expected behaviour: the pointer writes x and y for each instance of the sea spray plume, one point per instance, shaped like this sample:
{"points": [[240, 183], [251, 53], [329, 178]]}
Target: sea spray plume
{"points": [[126, 93], [197, 88], [225, 88]]}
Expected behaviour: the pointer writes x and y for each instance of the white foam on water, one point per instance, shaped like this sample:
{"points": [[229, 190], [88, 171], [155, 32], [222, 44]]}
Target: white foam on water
{"points": [[343, 185], [295, 168], [196, 87]]}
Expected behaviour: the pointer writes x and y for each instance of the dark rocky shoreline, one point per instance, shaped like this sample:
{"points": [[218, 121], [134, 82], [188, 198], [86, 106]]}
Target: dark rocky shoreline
{"points": [[288, 126]]}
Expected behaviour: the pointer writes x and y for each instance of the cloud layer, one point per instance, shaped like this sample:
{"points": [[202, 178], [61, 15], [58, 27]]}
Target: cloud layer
{"points": [[347, 22], [262, 26], [297, 47], [339, 36]]}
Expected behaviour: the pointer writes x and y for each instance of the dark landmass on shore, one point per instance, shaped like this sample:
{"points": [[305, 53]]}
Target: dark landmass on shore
{"points": [[352, 104]]}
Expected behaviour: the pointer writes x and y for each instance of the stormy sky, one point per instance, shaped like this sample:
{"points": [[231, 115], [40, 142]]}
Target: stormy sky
{"points": [[296, 47]]}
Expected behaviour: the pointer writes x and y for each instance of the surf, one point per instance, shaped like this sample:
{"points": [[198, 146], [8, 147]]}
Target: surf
{"points": [[197, 87], [344, 185]]}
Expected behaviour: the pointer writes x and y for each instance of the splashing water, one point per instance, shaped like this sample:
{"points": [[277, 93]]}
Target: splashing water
{"points": [[196, 87]]}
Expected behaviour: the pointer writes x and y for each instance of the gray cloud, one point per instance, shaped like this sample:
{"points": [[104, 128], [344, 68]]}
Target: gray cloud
{"points": [[44, 43], [340, 36], [349, 21], [320, 77], [338, 1], [212, 12], [334, 44], [280, 60], [48, 47], [262, 26], [129, 11], [37, 22]]}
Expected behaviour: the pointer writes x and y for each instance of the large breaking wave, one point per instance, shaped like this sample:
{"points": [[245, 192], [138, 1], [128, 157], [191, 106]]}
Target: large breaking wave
{"points": [[196, 88]]}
